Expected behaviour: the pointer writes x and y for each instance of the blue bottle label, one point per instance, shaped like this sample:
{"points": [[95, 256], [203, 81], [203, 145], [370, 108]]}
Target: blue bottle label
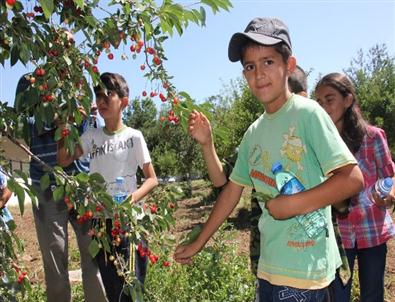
{"points": [[292, 186], [120, 197]]}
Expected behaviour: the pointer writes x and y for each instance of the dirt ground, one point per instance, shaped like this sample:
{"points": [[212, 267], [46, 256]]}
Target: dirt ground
{"points": [[190, 213]]}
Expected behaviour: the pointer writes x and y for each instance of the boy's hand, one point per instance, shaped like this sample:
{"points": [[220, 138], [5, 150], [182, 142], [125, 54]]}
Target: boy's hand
{"points": [[184, 253], [200, 128], [281, 207]]}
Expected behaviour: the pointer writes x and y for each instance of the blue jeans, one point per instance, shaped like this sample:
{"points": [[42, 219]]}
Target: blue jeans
{"points": [[273, 293], [112, 282], [371, 270]]}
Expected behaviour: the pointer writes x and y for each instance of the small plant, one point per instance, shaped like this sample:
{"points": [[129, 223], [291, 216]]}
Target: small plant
{"points": [[217, 274]]}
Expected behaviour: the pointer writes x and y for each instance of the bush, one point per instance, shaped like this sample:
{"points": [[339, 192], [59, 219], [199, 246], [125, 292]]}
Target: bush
{"points": [[217, 274]]}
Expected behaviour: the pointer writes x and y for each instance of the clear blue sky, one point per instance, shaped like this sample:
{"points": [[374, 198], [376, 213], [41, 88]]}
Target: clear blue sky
{"points": [[325, 35]]}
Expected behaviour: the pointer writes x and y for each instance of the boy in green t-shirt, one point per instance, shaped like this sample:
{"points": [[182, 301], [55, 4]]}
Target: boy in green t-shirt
{"points": [[299, 134]]}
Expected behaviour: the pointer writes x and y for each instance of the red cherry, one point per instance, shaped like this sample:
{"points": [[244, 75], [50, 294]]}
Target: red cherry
{"points": [[65, 132], [106, 44], [95, 69], [175, 101], [166, 263], [152, 94], [10, 2], [49, 98], [162, 118], [110, 56], [140, 43], [162, 97], [150, 50], [133, 48], [154, 209], [40, 72], [142, 66], [156, 60], [144, 93]]}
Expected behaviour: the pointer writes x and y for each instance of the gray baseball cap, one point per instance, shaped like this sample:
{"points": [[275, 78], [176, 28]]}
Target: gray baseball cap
{"points": [[265, 31]]}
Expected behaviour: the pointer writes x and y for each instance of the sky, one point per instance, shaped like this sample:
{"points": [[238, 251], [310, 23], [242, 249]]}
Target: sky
{"points": [[326, 35]]}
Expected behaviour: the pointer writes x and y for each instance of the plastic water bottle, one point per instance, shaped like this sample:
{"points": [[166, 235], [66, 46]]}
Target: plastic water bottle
{"points": [[120, 192], [383, 187], [287, 184]]}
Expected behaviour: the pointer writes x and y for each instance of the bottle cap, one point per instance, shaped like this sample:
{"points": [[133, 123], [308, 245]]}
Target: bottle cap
{"points": [[387, 184], [119, 179], [277, 166]]}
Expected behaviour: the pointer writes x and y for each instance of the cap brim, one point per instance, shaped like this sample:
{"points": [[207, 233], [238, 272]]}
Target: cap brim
{"points": [[239, 39]]}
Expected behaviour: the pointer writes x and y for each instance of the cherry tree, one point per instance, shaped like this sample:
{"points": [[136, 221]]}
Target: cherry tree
{"points": [[38, 33]]}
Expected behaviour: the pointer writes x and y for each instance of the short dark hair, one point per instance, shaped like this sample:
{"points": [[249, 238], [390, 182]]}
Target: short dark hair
{"points": [[282, 48], [113, 82], [297, 81]]}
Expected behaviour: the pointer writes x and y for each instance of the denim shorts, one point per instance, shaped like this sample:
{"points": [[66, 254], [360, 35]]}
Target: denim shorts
{"points": [[274, 293]]}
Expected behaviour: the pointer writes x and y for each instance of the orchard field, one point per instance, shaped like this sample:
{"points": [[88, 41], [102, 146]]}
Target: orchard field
{"points": [[191, 212]]}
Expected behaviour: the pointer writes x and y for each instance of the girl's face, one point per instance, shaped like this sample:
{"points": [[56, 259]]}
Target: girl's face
{"points": [[334, 103]]}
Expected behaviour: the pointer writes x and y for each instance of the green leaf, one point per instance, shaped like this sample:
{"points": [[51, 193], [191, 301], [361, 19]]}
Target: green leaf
{"points": [[14, 55], [94, 248], [212, 4], [19, 192], [44, 182], [82, 177], [58, 193], [47, 6], [80, 3], [24, 54], [97, 177]]}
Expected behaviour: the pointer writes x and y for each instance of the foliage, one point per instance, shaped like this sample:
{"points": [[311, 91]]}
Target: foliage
{"points": [[64, 67], [217, 274], [373, 75], [243, 110], [12, 278]]}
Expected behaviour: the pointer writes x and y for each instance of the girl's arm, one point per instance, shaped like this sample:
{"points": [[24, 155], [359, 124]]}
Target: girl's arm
{"points": [[148, 185], [345, 182]]}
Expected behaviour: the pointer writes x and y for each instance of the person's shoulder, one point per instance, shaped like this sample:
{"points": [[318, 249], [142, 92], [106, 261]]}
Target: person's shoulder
{"points": [[255, 124], [133, 132], [308, 107], [304, 103], [374, 131]]}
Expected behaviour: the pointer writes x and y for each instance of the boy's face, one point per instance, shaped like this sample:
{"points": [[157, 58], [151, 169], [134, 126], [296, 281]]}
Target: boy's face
{"points": [[110, 105], [266, 74]]}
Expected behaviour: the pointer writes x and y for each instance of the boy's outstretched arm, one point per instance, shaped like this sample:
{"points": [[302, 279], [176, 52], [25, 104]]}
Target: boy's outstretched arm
{"points": [[149, 183], [64, 158], [200, 129], [345, 182], [223, 207]]}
